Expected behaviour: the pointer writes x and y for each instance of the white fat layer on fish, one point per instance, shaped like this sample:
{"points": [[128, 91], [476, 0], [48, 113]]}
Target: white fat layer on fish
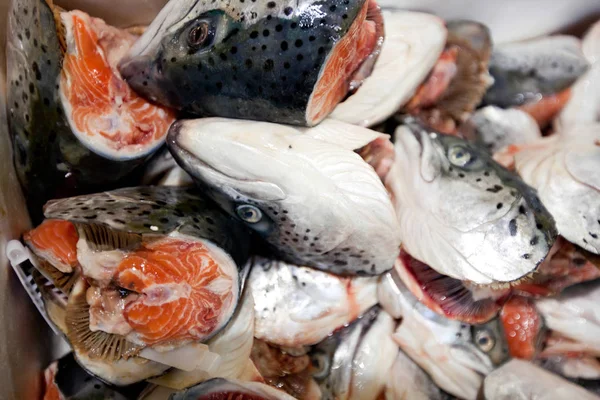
{"points": [[584, 105], [578, 367], [326, 206], [575, 315], [373, 359], [178, 13], [454, 224], [564, 171], [298, 306], [122, 372], [497, 128], [190, 357], [109, 124], [441, 347], [521, 380], [233, 345], [413, 44], [407, 381], [98, 265]]}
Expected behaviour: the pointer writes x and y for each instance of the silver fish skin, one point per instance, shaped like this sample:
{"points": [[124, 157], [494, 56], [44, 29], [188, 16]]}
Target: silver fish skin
{"points": [[456, 355], [408, 381], [574, 314], [584, 105], [208, 57], [354, 363], [463, 214], [521, 380], [525, 71], [299, 306], [317, 203], [563, 168], [495, 128]]}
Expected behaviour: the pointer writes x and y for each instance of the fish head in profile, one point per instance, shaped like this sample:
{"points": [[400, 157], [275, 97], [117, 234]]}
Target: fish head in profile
{"points": [[317, 204], [462, 213], [264, 60], [456, 355]]}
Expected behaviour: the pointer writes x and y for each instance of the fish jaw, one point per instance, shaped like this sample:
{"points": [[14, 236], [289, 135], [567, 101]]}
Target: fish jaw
{"points": [[501, 209], [298, 306], [293, 51], [413, 41], [291, 179]]}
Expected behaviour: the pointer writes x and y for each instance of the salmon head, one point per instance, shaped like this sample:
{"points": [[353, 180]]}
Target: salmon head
{"points": [[357, 358], [456, 355], [280, 61], [160, 270], [316, 203], [462, 213]]}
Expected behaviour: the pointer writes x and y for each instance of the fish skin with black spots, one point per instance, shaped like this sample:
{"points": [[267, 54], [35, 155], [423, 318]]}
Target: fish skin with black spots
{"points": [[525, 71], [463, 214], [276, 61], [304, 191], [76, 127]]}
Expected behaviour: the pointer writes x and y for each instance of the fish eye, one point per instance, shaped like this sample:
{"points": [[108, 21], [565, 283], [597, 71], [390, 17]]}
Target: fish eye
{"points": [[249, 213], [485, 341], [199, 35], [459, 156], [320, 364]]}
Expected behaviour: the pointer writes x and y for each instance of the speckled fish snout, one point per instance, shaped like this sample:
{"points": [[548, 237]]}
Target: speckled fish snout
{"points": [[280, 61]]}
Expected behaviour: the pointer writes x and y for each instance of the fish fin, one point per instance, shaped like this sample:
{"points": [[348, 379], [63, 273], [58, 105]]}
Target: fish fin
{"points": [[97, 345], [61, 30], [102, 238]]}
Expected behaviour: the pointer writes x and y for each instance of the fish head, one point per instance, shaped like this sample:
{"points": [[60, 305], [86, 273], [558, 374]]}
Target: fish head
{"points": [[475, 210], [316, 203], [455, 354], [356, 358], [256, 60]]}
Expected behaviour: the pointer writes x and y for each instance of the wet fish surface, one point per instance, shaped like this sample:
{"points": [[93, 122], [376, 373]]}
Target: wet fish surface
{"points": [[463, 214], [277, 61], [317, 203]]}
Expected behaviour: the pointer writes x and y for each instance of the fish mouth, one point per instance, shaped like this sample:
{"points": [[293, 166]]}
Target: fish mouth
{"points": [[445, 295], [355, 56]]}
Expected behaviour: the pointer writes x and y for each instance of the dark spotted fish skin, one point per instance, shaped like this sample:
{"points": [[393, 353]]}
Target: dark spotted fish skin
{"points": [[524, 71], [264, 68], [49, 160], [156, 211]]}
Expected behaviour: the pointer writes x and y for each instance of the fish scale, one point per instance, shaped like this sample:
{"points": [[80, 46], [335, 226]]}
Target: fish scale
{"points": [[155, 211]]}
